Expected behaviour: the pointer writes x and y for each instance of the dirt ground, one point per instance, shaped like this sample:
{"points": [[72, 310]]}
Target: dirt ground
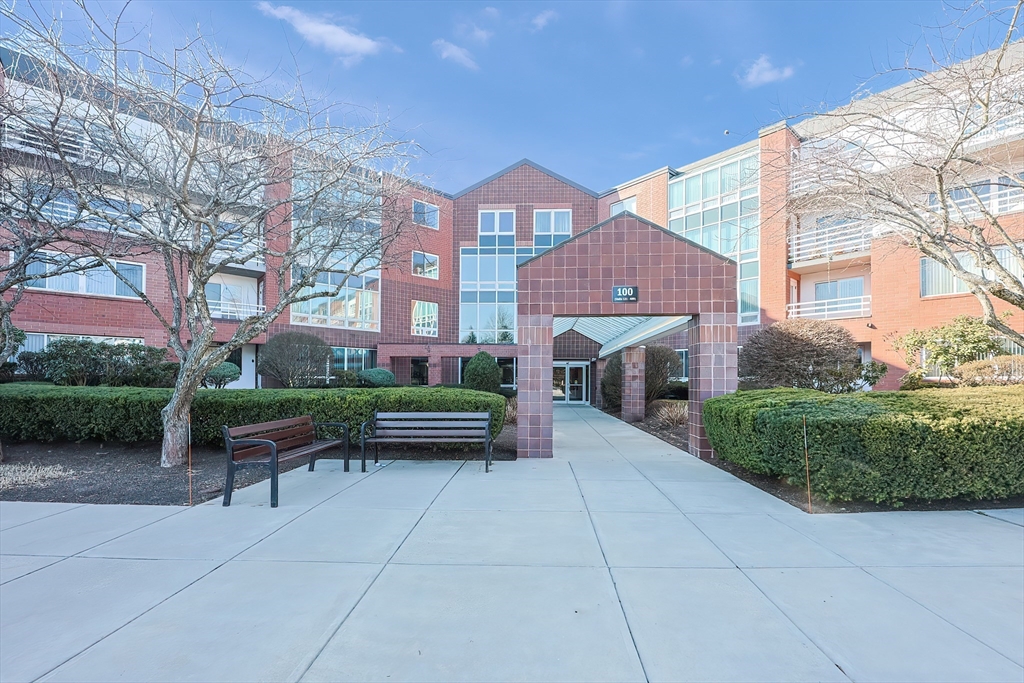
{"points": [[796, 494], [131, 473]]}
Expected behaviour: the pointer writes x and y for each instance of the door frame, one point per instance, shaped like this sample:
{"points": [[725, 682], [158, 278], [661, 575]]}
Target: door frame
{"points": [[567, 364]]}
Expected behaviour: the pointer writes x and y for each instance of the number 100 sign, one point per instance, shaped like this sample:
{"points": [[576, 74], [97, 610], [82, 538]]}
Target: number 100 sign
{"points": [[625, 294]]}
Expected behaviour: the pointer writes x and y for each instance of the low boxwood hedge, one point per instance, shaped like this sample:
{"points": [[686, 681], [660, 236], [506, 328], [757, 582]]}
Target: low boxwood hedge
{"points": [[879, 446], [38, 412]]}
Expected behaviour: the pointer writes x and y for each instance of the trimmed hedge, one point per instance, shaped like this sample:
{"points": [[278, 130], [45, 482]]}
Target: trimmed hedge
{"points": [[879, 446], [38, 412]]}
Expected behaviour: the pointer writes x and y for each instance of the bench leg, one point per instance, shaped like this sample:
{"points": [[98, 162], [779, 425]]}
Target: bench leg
{"points": [[273, 485], [363, 455], [229, 485], [312, 461], [376, 454]]}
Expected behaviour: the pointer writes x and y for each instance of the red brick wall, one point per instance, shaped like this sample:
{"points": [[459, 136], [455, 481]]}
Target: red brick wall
{"points": [[572, 345], [651, 199]]}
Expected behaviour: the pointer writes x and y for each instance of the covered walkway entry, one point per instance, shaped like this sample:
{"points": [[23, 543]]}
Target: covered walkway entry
{"points": [[625, 266]]}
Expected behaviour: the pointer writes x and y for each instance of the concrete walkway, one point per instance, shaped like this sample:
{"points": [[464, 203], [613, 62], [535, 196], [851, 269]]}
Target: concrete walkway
{"points": [[622, 559]]}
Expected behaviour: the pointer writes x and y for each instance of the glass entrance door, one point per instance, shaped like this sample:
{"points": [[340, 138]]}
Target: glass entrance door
{"points": [[570, 382]]}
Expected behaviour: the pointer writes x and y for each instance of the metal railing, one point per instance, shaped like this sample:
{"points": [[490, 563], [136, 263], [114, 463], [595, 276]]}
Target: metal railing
{"points": [[229, 248], [234, 310], [826, 242], [831, 309]]}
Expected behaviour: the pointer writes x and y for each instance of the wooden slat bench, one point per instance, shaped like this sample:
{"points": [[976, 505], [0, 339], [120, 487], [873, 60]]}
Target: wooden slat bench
{"points": [[397, 428], [269, 443]]}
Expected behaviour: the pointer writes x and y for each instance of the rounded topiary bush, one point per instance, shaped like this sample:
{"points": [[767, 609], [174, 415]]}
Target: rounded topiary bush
{"points": [[376, 377], [222, 375], [482, 373]]}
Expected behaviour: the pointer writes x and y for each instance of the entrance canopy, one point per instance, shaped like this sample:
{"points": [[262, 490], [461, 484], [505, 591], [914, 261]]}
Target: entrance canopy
{"points": [[625, 266]]}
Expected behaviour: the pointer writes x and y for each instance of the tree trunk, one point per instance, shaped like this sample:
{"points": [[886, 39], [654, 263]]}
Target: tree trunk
{"points": [[176, 423]]}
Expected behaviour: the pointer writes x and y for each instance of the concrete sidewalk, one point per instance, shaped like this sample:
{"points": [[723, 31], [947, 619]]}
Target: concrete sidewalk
{"points": [[622, 559]]}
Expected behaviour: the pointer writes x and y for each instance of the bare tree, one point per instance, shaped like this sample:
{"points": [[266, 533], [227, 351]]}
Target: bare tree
{"points": [[201, 167], [937, 163]]}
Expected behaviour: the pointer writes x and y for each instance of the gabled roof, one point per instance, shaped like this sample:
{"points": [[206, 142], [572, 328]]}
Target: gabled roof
{"points": [[626, 214], [535, 166]]}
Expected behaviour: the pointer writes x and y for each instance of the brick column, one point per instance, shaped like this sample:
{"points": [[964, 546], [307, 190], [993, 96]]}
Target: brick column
{"points": [[598, 374], [712, 370], [534, 431], [633, 385], [435, 374]]}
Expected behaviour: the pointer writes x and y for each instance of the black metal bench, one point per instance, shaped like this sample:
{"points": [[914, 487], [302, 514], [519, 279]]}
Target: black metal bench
{"points": [[396, 428], [269, 443]]}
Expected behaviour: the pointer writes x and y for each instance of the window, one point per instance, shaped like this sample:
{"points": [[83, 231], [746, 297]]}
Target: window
{"points": [[628, 204], [425, 214], [497, 228], [551, 227], [353, 359], [838, 296], [232, 300], [35, 341], [354, 306], [508, 366], [100, 280], [424, 265], [684, 358], [937, 280], [718, 208], [424, 319]]}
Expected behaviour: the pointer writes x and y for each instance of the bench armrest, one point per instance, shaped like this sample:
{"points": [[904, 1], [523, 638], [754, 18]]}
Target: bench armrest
{"points": [[343, 425], [363, 431], [231, 443]]}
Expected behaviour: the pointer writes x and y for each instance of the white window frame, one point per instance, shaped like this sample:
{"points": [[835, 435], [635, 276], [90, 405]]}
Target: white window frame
{"points": [[437, 214], [425, 274], [497, 222], [422, 330], [551, 213], [83, 280], [621, 204]]}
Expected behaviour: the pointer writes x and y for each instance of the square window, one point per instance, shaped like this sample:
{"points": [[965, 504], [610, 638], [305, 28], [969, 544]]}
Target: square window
{"points": [[425, 265], [424, 319], [425, 214]]}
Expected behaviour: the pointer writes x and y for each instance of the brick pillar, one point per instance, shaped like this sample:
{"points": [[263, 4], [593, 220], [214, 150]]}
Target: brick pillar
{"points": [[712, 339], [385, 363], [534, 430], [633, 385], [435, 373], [598, 374]]}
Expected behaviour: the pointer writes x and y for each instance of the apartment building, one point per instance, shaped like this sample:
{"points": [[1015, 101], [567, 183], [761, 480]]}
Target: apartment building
{"points": [[449, 287]]}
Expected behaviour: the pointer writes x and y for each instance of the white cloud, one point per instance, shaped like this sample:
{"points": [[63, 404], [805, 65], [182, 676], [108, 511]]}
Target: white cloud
{"points": [[459, 55], [491, 12], [762, 72], [543, 19], [473, 32], [352, 46]]}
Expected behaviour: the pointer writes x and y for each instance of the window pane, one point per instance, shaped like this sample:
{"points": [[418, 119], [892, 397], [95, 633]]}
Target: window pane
{"points": [[676, 225], [506, 222], [133, 274], [487, 221], [748, 206], [693, 189], [730, 177], [36, 268], [431, 216], [99, 280], [709, 216], [507, 268], [748, 170], [693, 221], [748, 296], [542, 222], [709, 181], [728, 237], [469, 268], [563, 222], [488, 268], [675, 196], [730, 210]]}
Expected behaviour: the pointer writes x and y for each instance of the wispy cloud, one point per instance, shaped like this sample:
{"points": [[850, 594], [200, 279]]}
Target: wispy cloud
{"points": [[763, 72], [491, 12], [686, 61], [351, 45], [459, 55], [543, 19], [472, 32]]}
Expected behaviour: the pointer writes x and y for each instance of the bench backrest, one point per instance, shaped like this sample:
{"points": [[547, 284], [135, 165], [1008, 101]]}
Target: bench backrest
{"points": [[454, 426], [287, 434]]}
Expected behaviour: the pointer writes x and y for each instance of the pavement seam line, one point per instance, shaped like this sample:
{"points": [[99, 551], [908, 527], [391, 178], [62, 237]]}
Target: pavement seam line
{"points": [[611, 577], [186, 586], [37, 519], [303, 667]]}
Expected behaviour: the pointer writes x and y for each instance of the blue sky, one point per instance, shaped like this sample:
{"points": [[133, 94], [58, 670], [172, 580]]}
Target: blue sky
{"points": [[599, 92]]}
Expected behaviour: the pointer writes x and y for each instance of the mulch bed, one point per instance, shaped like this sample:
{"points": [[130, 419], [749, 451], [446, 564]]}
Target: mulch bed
{"points": [[131, 473], [796, 495]]}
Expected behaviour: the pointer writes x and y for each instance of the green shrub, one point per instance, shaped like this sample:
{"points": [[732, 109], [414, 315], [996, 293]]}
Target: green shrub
{"points": [[880, 446], [344, 379], [991, 372], [222, 375], [482, 373], [611, 382], [375, 378], [35, 412], [296, 359]]}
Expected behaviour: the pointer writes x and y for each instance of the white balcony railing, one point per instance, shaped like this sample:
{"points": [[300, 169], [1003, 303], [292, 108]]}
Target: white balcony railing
{"points": [[830, 241], [831, 309], [234, 310], [229, 249]]}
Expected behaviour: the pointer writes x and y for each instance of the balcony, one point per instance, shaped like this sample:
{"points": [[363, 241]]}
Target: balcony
{"points": [[831, 309], [234, 310], [231, 247], [830, 242]]}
